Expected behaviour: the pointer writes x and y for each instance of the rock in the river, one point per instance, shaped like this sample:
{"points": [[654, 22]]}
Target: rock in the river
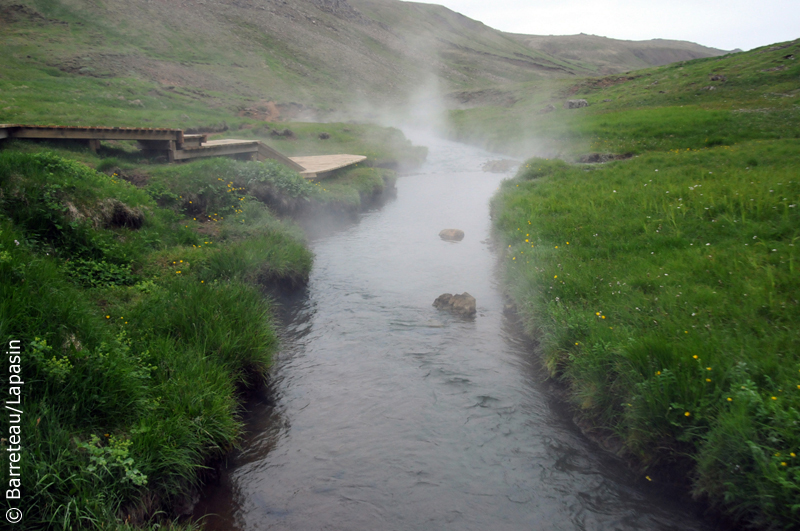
{"points": [[452, 235], [575, 104], [463, 304]]}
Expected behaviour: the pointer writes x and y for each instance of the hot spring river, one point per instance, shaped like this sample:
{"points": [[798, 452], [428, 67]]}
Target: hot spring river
{"points": [[385, 413]]}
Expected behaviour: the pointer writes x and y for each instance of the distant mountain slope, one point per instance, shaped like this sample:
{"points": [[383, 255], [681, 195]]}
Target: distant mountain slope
{"points": [[612, 56], [325, 54]]}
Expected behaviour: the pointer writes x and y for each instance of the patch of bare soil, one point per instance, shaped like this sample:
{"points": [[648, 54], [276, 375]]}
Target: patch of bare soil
{"points": [[603, 82], [134, 177], [594, 158], [271, 111], [117, 214], [213, 128], [479, 98], [17, 12]]}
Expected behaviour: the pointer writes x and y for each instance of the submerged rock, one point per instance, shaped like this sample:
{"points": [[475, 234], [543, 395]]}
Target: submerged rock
{"points": [[463, 304], [452, 235]]}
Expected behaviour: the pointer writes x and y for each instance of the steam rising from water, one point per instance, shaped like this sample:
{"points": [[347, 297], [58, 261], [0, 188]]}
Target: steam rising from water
{"points": [[387, 413]]}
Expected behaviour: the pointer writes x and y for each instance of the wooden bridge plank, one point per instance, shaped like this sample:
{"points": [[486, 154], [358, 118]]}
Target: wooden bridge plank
{"points": [[318, 164], [217, 148]]}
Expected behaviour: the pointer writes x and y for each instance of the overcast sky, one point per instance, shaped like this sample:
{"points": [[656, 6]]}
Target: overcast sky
{"points": [[724, 24]]}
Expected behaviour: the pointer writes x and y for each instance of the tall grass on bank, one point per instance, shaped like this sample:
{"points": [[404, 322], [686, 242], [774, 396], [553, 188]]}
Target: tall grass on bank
{"points": [[665, 291], [132, 364], [213, 189]]}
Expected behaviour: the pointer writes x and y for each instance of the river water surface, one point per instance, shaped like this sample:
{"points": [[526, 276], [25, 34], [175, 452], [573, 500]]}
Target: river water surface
{"points": [[385, 413]]}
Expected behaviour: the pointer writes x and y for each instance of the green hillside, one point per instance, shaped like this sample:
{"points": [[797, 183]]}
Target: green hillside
{"points": [[688, 104], [192, 63], [609, 56]]}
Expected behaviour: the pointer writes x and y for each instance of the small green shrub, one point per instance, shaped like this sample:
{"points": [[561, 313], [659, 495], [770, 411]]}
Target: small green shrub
{"points": [[111, 460], [211, 189], [90, 273]]}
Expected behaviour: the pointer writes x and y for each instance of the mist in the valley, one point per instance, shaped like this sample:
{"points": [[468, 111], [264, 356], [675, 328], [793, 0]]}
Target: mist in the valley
{"points": [[423, 110]]}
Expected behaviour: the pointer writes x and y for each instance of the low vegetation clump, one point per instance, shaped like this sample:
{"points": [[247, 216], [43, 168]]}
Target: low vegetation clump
{"points": [[665, 291], [140, 327], [359, 186], [212, 189]]}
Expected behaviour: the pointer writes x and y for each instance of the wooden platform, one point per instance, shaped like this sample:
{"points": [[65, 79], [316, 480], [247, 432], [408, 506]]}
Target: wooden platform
{"points": [[317, 165], [177, 146], [216, 148]]}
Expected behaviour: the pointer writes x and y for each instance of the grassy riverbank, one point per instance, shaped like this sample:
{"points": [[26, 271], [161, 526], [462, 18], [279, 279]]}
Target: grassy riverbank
{"points": [[138, 332], [664, 288], [141, 315]]}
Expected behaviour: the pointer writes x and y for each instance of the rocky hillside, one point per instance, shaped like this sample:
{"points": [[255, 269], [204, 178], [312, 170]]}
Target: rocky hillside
{"points": [[282, 59], [612, 56]]}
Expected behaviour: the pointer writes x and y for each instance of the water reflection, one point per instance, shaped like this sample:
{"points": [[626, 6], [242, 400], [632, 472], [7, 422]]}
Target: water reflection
{"points": [[387, 413]]}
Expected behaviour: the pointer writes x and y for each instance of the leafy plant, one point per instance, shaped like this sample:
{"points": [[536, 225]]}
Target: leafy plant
{"points": [[91, 273], [56, 368], [111, 460]]}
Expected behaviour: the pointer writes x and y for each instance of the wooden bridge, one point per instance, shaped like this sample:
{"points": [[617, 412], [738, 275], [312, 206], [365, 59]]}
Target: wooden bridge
{"points": [[176, 145]]}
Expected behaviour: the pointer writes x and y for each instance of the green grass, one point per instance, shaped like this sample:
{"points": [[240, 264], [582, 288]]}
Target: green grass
{"points": [[664, 288], [49, 96], [357, 187], [135, 362], [665, 291]]}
